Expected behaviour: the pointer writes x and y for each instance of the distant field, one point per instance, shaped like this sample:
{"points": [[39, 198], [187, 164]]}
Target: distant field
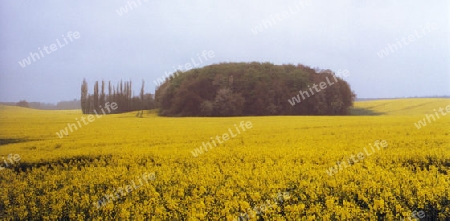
{"points": [[280, 168], [400, 107]]}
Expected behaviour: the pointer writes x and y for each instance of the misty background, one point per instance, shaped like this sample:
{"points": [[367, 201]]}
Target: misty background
{"points": [[156, 36]]}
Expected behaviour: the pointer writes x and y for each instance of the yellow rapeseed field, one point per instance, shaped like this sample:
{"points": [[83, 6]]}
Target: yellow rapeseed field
{"points": [[277, 170]]}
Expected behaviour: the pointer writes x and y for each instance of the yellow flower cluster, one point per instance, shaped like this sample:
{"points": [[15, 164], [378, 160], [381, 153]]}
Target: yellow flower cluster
{"points": [[124, 190], [61, 178]]}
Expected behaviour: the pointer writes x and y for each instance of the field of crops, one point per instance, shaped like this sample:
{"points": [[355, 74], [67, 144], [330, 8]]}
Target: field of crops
{"points": [[280, 168]]}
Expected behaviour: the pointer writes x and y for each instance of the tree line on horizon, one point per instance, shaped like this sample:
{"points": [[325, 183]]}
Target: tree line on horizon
{"points": [[251, 89], [122, 95], [61, 105]]}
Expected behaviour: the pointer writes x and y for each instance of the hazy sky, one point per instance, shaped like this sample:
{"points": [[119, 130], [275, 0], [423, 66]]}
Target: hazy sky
{"points": [[157, 35]]}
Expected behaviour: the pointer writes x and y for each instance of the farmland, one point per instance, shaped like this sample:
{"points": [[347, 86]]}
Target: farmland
{"points": [[277, 170]]}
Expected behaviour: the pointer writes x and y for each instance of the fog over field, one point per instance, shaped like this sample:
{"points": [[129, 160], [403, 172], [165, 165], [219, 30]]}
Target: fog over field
{"points": [[389, 47]]}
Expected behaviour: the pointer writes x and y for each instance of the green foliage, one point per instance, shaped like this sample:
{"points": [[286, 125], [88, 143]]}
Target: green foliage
{"points": [[236, 89]]}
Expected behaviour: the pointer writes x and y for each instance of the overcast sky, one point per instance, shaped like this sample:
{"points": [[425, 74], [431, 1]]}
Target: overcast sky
{"points": [[156, 35]]}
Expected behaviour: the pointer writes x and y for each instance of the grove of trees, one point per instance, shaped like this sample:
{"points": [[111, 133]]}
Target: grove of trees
{"points": [[23, 103], [121, 94], [238, 89]]}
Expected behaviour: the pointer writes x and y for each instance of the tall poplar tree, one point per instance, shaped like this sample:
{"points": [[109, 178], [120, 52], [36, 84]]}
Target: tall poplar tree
{"points": [[84, 97]]}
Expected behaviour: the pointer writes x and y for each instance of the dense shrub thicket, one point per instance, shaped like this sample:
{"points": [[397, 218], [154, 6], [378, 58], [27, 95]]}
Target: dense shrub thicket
{"points": [[238, 89]]}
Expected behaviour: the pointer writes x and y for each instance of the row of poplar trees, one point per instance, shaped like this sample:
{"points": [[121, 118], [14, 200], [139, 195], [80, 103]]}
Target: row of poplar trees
{"points": [[122, 95]]}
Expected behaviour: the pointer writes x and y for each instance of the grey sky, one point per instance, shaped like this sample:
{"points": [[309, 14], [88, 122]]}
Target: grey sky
{"points": [[149, 40]]}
